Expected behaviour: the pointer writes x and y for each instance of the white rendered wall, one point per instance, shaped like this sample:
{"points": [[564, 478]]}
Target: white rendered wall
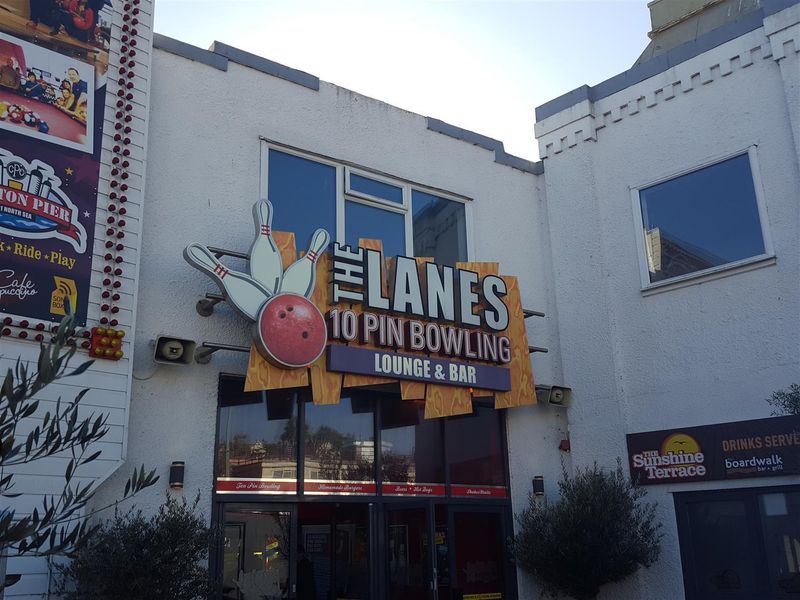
{"points": [[109, 381], [203, 177], [700, 354]]}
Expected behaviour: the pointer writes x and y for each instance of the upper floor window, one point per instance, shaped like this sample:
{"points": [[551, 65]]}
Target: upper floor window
{"points": [[701, 221], [408, 219], [302, 188]]}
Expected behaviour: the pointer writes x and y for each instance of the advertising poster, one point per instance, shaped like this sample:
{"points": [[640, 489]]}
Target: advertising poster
{"points": [[53, 70], [743, 449]]}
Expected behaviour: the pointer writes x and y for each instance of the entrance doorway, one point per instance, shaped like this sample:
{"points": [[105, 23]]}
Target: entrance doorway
{"points": [[467, 560], [390, 550]]}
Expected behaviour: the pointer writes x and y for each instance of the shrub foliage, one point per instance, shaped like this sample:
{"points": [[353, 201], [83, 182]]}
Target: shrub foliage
{"points": [[599, 531], [133, 557], [786, 402]]}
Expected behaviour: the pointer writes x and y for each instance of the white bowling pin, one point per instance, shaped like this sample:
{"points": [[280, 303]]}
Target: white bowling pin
{"points": [[265, 259], [241, 291], [301, 276]]}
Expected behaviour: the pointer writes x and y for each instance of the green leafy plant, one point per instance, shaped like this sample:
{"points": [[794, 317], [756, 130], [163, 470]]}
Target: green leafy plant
{"points": [[786, 402], [60, 525], [599, 531], [132, 557]]}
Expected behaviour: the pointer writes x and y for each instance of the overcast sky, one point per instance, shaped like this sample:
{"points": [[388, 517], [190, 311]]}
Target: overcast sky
{"points": [[482, 65]]}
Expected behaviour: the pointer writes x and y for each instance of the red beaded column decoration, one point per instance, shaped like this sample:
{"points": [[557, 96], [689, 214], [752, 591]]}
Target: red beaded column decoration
{"points": [[120, 163]]}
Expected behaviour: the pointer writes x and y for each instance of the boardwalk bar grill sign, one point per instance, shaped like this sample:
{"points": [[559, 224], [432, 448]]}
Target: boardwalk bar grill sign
{"points": [[759, 448], [406, 319]]}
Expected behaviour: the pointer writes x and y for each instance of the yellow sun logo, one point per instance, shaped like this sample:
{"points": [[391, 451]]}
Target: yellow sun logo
{"points": [[679, 442]]}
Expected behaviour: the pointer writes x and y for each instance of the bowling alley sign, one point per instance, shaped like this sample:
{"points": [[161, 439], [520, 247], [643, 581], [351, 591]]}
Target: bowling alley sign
{"points": [[346, 316]]}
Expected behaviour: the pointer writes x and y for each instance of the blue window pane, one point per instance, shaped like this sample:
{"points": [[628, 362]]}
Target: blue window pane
{"points": [[378, 189], [440, 228], [303, 194], [701, 220], [367, 222]]}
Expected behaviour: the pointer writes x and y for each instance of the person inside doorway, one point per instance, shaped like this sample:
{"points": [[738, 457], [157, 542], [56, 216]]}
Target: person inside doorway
{"points": [[306, 586]]}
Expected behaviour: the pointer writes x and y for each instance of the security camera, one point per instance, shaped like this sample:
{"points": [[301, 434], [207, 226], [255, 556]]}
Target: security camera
{"points": [[171, 350], [554, 394]]}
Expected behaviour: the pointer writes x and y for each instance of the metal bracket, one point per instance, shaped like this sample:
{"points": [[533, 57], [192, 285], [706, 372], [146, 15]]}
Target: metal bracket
{"points": [[223, 252], [205, 307], [203, 354], [532, 313], [532, 349]]}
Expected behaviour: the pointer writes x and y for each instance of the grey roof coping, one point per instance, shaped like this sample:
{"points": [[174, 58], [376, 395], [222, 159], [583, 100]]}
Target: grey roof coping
{"points": [[487, 143], [219, 55], [168, 44], [265, 65], [747, 23]]}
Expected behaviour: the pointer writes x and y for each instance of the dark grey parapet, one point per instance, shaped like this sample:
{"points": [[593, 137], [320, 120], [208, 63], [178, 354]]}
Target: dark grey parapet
{"points": [[267, 66], [168, 44], [487, 143]]}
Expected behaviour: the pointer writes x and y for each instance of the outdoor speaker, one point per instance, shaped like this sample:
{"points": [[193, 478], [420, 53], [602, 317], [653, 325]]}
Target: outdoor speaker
{"points": [[554, 394], [171, 350]]}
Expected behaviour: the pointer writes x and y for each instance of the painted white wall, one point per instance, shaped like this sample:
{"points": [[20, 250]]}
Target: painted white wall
{"points": [[705, 353], [203, 177]]}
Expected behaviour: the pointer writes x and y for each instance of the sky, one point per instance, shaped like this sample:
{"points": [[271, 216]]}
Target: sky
{"points": [[483, 65]]}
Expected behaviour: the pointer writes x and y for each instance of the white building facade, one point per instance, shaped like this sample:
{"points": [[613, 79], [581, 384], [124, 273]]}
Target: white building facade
{"points": [[660, 314]]}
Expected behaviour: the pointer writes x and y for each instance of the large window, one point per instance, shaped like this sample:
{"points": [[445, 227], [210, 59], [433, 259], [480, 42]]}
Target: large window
{"points": [[352, 204], [475, 448], [701, 221], [411, 447], [257, 434], [300, 188], [340, 440], [740, 543], [280, 441]]}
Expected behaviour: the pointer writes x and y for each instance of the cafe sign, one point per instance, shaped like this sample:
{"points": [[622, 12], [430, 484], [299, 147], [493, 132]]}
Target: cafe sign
{"points": [[348, 317], [743, 449]]}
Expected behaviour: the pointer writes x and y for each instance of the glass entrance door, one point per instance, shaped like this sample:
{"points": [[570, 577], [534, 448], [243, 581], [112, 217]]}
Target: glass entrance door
{"points": [[408, 553], [480, 565], [257, 557]]}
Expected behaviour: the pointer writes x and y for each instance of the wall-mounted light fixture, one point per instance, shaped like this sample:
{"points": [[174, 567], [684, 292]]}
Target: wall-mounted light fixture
{"points": [[538, 485], [176, 475]]}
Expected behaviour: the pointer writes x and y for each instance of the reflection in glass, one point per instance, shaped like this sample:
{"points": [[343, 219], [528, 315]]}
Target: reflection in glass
{"points": [[440, 228], [780, 516], [474, 451], [377, 189], [340, 439], [723, 546], [407, 554], [331, 565], [479, 554], [367, 222], [257, 433], [701, 220], [261, 558], [299, 187], [411, 446]]}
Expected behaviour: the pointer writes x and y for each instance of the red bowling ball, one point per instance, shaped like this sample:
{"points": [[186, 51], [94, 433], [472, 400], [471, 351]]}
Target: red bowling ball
{"points": [[291, 331]]}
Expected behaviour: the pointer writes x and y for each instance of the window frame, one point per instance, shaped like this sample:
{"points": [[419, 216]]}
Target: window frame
{"points": [[745, 264], [345, 194], [755, 520]]}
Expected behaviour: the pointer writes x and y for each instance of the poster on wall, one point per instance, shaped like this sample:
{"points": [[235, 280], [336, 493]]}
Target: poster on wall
{"points": [[738, 450], [53, 69]]}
